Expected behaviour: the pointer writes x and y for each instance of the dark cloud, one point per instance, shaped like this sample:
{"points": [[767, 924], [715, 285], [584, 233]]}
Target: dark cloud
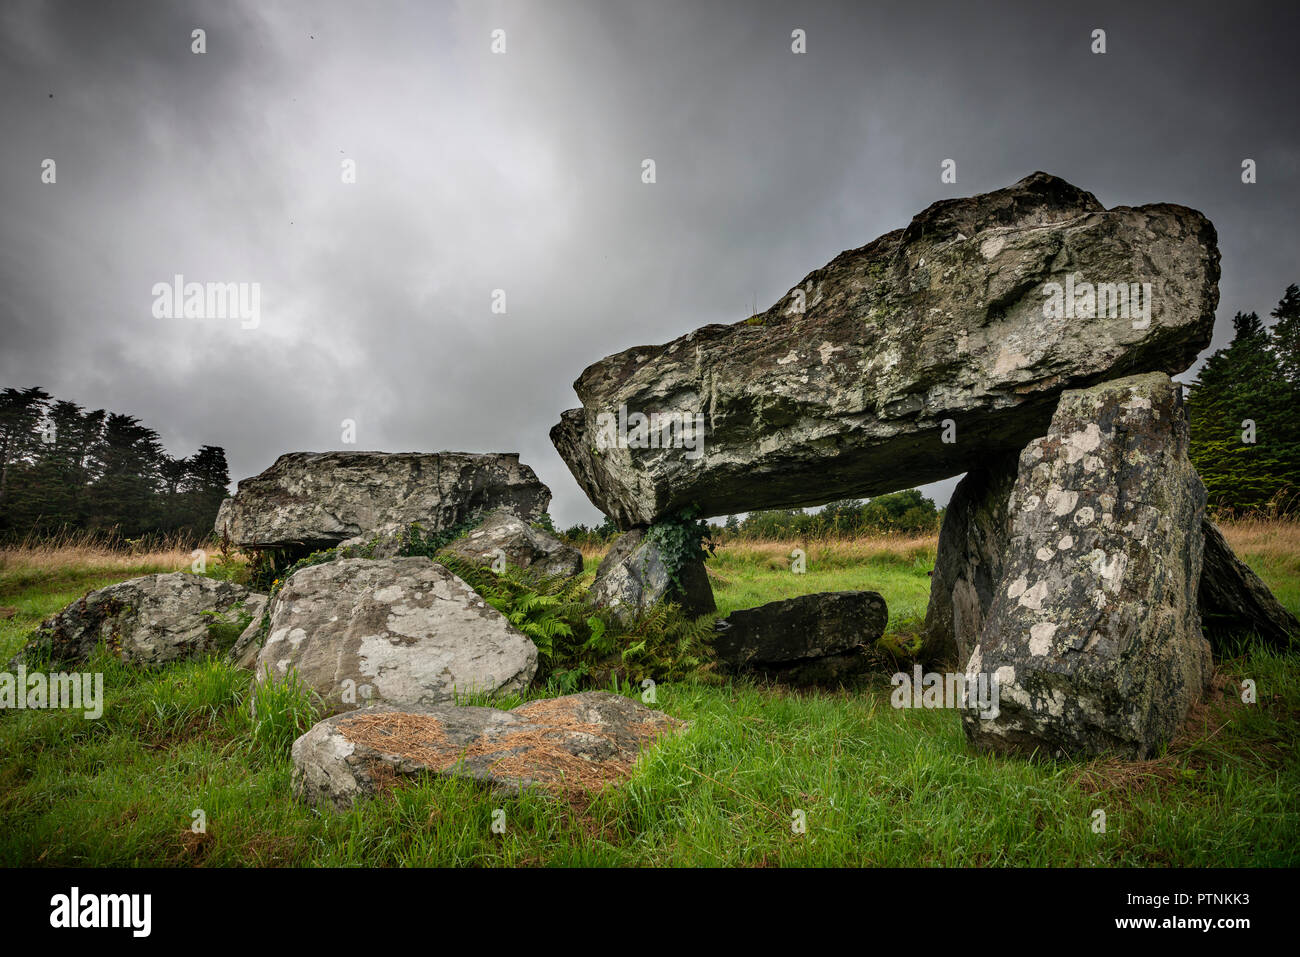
{"points": [[522, 172]]}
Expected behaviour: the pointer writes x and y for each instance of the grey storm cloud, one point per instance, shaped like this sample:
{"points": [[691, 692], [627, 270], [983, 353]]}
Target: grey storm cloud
{"points": [[522, 172]]}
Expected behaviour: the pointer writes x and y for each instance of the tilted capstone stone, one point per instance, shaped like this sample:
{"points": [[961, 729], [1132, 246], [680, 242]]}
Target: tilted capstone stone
{"points": [[899, 363]]}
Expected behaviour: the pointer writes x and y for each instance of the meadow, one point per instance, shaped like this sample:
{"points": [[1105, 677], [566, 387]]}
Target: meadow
{"points": [[871, 784]]}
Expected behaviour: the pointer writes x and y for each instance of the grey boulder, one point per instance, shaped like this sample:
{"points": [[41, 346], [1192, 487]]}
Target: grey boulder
{"points": [[633, 577], [311, 500], [402, 631], [854, 382], [505, 539], [968, 561], [811, 639], [152, 620], [1093, 641], [578, 742]]}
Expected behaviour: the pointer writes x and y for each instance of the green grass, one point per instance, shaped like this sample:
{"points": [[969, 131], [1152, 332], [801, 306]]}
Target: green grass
{"points": [[877, 786]]}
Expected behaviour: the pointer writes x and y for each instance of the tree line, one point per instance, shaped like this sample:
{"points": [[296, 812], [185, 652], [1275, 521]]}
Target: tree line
{"points": [[63, 467], [906, 512], [1242, 413]]}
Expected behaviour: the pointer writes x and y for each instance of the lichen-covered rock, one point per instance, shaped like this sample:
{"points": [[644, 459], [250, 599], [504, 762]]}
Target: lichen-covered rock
{"points": [[400, 631], [968, 562], [810, 639], [151, 620], [977, 528], [505, 538], [943, 322], [633, 577], [578, 742], [310, 500], [1093, 639], [1233, 599]]}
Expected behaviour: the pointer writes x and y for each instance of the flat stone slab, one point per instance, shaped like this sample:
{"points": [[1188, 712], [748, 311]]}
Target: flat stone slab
{"points": [[578, 742]]}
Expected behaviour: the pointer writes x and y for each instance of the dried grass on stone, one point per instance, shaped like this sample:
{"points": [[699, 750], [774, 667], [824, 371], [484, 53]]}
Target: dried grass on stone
{"points": [[532, 753]]}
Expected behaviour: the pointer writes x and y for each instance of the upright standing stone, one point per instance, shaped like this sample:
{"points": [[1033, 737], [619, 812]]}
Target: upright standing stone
{"points": [[1094, 640]]}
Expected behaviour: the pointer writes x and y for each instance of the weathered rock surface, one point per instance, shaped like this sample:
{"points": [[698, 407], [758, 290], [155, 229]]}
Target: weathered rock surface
{"points": [[811, 639], [320, 499], [400, 631], [968, 562], [581, 741], [151, 620], [975, 535], [633, 577], [1233, 598], [942, 320], [1093, 638], [507, 538]]}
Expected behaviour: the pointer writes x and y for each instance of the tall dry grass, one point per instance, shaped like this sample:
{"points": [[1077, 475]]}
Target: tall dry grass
{"points": [[1274, 540], [82, 552]]}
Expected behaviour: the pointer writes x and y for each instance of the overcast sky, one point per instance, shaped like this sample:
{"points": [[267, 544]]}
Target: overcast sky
{"points": [[521, 171]]}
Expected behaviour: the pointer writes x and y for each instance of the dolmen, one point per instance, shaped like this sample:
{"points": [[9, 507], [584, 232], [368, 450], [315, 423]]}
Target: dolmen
{"points": [[1025, 337]]}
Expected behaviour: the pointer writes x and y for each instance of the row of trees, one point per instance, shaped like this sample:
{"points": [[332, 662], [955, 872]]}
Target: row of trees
{"points": [[906, 512], [1242, 412], [64, 467]]}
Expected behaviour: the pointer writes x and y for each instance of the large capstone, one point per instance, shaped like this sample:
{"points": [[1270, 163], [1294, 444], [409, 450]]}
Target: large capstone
{"points": [[579, 742], [398, 631], [810, 639], [636, 574], [310, 500], [902, 362], [151, 620], [1093, 641]]}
